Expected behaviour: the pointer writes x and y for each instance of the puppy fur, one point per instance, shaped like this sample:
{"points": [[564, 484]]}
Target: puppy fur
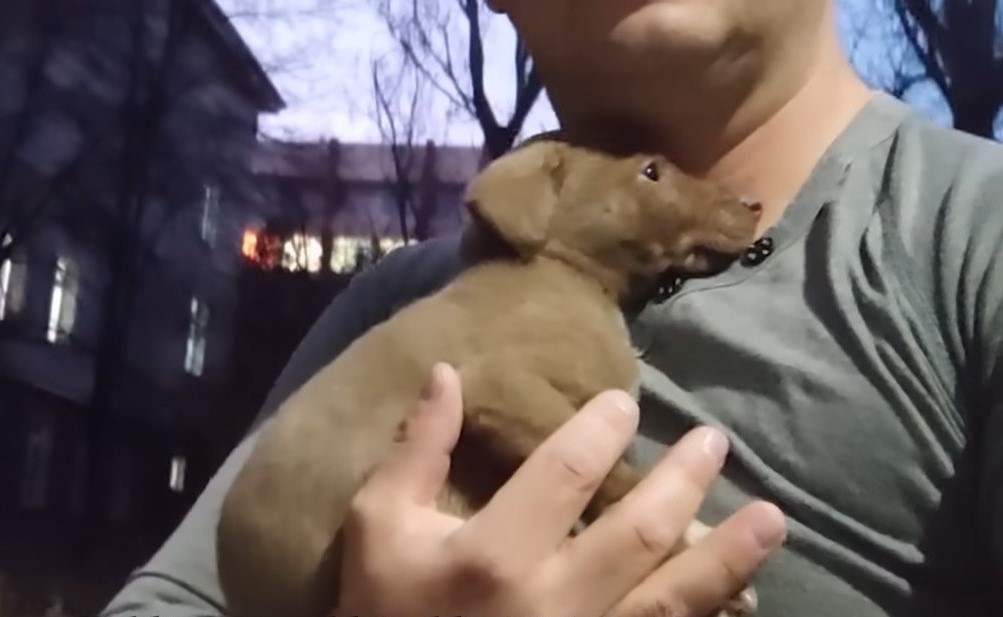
{"points": [[534, 330]]}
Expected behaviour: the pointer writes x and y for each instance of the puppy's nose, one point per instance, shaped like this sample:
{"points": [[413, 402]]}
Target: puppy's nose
{"points": [[752, 204]]}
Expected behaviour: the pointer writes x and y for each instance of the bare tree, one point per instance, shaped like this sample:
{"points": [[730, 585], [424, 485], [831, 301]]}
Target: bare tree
{"points": [[426, 35], [145, 156], [64, 148], [28, 193], [397, 97], [114, 111], [957, 45], [295, 42], [877, 47]]}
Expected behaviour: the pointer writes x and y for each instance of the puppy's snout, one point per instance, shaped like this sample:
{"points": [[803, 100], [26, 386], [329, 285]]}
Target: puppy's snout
{"points": [[753, 204]]}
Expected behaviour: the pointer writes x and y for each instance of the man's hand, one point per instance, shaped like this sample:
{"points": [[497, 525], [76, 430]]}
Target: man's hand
{"points": [[405, 558]]}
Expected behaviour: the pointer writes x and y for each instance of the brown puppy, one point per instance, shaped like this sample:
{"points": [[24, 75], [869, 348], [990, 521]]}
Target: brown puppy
{"points": [[534, 333]]}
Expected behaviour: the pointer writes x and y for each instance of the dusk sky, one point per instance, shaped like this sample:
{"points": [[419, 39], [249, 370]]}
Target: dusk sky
{"points": [[319, 54]]}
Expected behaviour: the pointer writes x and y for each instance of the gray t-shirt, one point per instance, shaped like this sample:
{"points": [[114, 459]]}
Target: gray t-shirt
{"points": [[858, 370]]}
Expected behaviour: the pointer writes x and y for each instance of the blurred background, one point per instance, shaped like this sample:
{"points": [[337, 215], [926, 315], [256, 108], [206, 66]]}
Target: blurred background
{"points": [[185, 184]]}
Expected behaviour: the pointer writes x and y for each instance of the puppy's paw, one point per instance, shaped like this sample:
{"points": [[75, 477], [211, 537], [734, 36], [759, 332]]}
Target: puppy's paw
{"points": [[742, 605], [745, 603]]}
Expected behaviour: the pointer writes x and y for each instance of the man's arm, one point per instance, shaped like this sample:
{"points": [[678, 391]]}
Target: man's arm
{"points": [[968, 254], [992, 466], [990, 354], [180, 580]]}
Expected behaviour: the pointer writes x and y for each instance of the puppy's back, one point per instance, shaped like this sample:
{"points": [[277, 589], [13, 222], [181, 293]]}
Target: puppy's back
{"points": [[336, 428]]}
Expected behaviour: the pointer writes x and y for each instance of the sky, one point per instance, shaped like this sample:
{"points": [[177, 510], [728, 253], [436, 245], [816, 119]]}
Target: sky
{"points": [[319, 54]]}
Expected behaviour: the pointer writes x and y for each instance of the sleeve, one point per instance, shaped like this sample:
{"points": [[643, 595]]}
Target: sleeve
{"points": [[971, 251], [989, 313], [992, 483], [180, 579], [954, 183]]}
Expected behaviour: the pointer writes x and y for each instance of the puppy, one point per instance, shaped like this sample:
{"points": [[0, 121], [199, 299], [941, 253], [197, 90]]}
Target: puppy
{"points": [[534, 331]]}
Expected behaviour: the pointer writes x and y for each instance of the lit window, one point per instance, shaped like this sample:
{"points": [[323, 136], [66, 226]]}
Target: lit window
{"points": [[63, 302], [195, 346], [348, 251], [210, 213], [5, 276], [351, 252], [301, 252], [177, 477], [249, 245], [266, 250], [11, 288], [390, 244]]}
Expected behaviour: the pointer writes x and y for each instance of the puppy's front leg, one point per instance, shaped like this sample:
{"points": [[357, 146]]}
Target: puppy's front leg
{"points": [[508, 413], [621, 480]]}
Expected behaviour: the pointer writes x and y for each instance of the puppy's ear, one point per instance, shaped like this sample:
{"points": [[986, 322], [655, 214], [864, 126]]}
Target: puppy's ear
{"points": [[516, 195]]}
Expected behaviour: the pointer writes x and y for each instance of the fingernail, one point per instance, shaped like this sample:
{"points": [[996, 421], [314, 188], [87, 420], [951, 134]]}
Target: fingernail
{"points": [[770, 529], [623, 403], [430, 391], [715, 444]]}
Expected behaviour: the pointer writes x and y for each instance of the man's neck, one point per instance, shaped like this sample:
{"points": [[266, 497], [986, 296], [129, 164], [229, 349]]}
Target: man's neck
{"points": [[774, 160], [759, 135]]}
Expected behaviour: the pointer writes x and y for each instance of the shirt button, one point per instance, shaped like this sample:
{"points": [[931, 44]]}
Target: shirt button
{"points": [[758, 251], [667, 290]]}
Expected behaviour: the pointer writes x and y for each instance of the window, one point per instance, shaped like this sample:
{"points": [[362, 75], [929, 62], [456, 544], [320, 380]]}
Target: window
{"points": [[351, 252], [63, 302], [210, 214], [12, 288], [391, 244], [266, 250], [177, 478], [37, 457], [5, 276], [348, 252], [302, 252], [195, 346], [249, 245]]}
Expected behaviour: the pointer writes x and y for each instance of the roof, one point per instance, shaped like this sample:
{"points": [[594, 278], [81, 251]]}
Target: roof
{"points": [[360, 162], [256, 79]]}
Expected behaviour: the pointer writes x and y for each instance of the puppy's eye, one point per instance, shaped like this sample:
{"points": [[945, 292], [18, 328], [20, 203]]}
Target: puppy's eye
{"points": [[651, 172]]}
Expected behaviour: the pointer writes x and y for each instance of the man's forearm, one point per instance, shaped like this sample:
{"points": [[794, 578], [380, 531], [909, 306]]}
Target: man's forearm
{"points": [[180, 580], [158, 596]]}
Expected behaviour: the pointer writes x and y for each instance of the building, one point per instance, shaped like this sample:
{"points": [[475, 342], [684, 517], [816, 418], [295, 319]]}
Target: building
{"points": [[334, 200], [336, 209], [157, 267], [126, 128]]}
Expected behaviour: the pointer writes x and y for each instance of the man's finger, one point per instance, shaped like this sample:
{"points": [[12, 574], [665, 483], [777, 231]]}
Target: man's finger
{"points": [[435, 421], [627, 543], [556, 482], [700, 580], [417, 465]]}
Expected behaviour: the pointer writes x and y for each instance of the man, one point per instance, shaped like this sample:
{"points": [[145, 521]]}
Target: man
{"points": [[853, 358]]}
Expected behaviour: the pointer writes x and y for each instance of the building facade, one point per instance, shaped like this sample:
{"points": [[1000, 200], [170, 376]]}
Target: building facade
{"points": [[340, 205], [158, 264], [337, 208], [126, 130]]}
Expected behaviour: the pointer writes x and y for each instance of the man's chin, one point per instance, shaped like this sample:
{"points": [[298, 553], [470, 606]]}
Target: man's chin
{"points": [[666, 29]]}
